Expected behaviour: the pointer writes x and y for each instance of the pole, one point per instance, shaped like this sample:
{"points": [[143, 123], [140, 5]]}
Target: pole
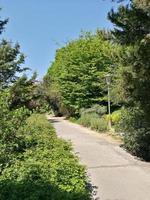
{"points": [[109, 114]]}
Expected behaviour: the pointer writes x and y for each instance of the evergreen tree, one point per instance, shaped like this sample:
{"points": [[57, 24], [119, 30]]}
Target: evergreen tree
{"points": [[133, 32], [2, 24], [10, 60], [10, 63]]}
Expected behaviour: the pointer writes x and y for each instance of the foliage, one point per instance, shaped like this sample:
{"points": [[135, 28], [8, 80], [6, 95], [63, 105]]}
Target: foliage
{"points": [[116, 116], [79, 69], [99, 124], [143, 4], [93, 120], [136, 132], [47, 169], [132, 23], [133, 32], [29, 93], [10, 122], [100, 110], [2, 24], [52, 93], [10, 63]]}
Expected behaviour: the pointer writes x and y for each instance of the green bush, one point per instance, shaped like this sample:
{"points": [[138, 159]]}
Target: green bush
{"points": [[136, 132], [47, 169], [94, 121], [95, 109], [11, 143], [99, 124], [86, 118], [116, 116]]}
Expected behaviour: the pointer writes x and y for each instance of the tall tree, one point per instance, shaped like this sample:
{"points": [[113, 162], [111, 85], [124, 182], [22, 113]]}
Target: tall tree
{"points": [[79, 69], [133, 31]]}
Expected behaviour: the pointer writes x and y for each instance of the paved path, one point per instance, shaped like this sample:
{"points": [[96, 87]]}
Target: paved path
{"points": [[116, 173]]}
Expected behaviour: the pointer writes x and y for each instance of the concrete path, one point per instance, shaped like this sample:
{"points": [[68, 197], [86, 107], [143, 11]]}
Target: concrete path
{"points": [[117, 174]]}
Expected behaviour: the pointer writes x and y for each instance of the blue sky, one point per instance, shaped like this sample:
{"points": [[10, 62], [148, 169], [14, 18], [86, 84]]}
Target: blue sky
{"points": [[42, 26]]}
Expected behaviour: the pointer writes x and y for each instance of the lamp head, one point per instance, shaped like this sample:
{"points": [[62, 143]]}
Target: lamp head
{"points": [[108, 79]]}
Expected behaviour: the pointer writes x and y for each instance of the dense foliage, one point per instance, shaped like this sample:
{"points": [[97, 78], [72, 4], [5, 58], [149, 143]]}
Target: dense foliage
{"points": [[11, 142], [10, 63], [46, 169], [79, 69], [133, 31], [28, 92], [94, 118]]}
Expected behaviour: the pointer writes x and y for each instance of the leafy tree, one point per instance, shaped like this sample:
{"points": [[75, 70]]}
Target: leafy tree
{"points": [[79, 69]]}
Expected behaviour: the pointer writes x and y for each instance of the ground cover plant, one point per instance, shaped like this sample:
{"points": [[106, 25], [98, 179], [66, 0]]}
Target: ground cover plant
{"points": [[46, 169]]}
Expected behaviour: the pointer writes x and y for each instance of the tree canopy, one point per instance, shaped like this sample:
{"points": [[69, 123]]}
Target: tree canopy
{"points": [[133, 31], [79, 69]]}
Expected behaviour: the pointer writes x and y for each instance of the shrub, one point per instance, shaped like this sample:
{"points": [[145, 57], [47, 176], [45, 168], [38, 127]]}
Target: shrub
{"points": [[47, 169], [99, 124], [10, 121], [86, 118], [97, 109], [116, 116], [93, 121], [136, 133]]}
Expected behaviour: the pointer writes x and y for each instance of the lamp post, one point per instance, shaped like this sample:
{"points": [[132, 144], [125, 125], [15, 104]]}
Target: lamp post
{"points": [[108, 81]]}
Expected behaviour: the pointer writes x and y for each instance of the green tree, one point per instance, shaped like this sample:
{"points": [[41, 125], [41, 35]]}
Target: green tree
{"points": [[133, 32], [2, 24], [11, 60], [10, 63], [79, 69]]}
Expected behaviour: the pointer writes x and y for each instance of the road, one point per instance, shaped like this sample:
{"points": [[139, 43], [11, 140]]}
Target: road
{"points": [[116, 174]]}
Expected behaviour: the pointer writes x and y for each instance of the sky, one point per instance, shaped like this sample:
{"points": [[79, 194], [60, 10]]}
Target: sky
{"points": [[42, 26]]}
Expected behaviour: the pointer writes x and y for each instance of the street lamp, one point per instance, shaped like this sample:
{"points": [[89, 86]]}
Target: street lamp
{"points": [[108, 81]]}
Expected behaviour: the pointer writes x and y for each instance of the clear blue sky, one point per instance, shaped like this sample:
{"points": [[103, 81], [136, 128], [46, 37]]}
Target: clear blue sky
{"points": [[41, 26]]}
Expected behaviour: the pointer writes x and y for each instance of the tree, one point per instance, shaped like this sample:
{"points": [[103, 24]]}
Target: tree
{"points": [[2, 24], [11, 60], [132, 23], [133, 32], [27, 92], [144, 4], [10, 63], [79, 69]]}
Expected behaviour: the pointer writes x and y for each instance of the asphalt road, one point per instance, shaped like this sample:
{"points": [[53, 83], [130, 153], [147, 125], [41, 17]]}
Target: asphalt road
{"points": [[116, 174]]}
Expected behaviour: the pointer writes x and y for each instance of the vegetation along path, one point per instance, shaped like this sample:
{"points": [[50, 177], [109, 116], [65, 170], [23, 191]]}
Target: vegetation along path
{"points": [[116, 174]]}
